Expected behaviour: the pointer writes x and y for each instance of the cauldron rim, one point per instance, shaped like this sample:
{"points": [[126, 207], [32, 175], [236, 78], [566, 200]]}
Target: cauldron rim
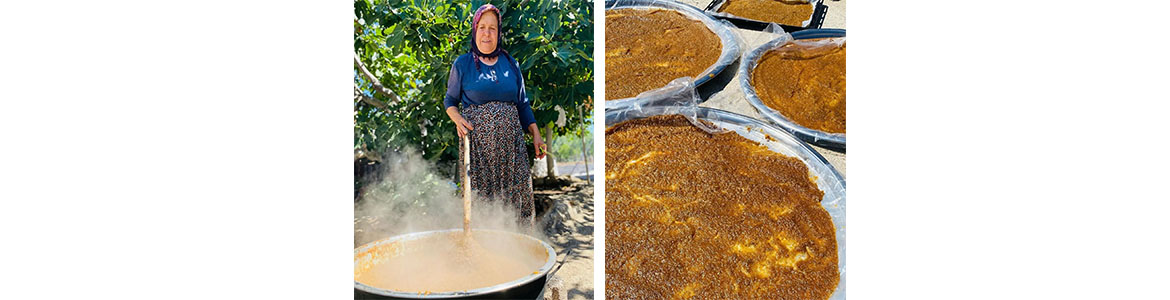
{"points": [[550, 259]]}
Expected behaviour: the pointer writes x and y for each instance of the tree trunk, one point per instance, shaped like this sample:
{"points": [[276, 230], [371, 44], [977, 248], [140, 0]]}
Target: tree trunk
{"points": [[550, 167], [584, 151]]}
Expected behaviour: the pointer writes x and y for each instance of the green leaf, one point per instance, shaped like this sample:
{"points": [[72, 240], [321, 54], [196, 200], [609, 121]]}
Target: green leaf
{"points": [[552, 24], [544, 6], [583, 55], [389, 30], [394, 40], [528, 63], [532, 36], [534, 95], [563, 53]]}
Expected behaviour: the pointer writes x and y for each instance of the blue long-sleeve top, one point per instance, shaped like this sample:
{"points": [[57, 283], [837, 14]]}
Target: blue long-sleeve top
{"points": [[499, 82]]}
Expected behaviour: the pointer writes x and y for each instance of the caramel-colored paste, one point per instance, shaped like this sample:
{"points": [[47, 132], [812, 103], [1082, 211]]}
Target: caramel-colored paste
{"points": [[711, 216], [448, 262], [806, 86], [773, 11], [647, 48]]}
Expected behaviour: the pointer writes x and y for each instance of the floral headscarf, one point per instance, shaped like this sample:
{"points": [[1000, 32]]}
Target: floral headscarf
{"points": [[499, 36]]}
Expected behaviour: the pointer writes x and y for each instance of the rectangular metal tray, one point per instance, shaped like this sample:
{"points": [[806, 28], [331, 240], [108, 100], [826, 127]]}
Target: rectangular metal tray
{"points": [[818, 18]]}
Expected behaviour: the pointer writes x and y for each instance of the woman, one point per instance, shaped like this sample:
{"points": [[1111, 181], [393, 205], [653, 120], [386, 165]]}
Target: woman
{"points": [[488, 84]]}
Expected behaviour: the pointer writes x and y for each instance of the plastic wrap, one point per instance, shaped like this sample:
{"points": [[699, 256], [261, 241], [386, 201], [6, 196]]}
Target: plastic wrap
{"points": [[826, 177], [678, 97], [833, 141], [731, 45]]}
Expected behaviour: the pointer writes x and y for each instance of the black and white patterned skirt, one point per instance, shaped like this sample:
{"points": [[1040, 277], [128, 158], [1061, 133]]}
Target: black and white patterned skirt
{"points": [[499, 161]]}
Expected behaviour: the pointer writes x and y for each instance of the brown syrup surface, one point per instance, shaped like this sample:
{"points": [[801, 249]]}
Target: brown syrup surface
{"points": [[806, 86], [647, 48], [774, 11], [449, 262], [711, 216]]}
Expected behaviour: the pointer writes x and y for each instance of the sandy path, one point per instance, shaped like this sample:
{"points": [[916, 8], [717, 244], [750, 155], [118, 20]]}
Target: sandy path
{"points": [[569, 225]]}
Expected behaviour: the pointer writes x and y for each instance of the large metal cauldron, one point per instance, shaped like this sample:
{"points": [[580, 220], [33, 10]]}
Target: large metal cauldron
{"points": [[527, 287]]}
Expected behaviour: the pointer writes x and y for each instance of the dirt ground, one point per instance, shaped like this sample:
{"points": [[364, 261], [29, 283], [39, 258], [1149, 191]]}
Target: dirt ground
{"points": [[569, 226]]}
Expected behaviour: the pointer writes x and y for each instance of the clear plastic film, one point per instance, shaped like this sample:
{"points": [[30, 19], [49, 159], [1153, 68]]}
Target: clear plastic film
{"points": [[804, 43], [826, 177], [720, 3], [730, 52], [774, 28], [676, 98], [813, 47]]}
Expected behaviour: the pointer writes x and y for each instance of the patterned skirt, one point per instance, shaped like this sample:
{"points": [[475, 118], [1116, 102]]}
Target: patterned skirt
{"points": [[499, 160]]}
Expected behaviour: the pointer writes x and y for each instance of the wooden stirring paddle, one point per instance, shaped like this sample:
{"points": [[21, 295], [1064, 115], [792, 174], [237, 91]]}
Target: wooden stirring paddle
{"points": [[466, 185]]}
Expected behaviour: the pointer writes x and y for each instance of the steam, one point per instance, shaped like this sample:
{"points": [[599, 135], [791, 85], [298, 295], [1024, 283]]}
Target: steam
{"points": [[411, 196]]}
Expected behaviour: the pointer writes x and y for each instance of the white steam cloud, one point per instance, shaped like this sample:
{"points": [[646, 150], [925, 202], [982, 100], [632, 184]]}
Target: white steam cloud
{"points": [[412, 197]]}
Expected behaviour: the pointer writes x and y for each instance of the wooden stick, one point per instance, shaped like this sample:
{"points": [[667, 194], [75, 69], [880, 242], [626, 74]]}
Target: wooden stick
{"points": [[466, 185]]}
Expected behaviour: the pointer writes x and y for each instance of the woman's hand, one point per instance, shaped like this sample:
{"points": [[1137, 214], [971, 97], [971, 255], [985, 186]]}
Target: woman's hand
{"points": [[461, 125], [538, 143]]}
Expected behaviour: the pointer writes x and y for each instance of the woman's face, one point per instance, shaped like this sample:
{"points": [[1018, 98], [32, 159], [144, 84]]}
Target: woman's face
{"points": [[486, 32]]}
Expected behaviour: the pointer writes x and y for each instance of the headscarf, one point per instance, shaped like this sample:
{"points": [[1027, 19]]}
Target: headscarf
{"points": [[499, 35]]}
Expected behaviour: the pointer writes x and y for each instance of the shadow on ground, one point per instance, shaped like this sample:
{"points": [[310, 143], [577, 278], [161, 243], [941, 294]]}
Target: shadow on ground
{"points": [[568, 223]]}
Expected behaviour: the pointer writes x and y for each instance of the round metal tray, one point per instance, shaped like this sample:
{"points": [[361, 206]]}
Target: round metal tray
{"points": [[728, 56], [827, 178], [832, 141]]}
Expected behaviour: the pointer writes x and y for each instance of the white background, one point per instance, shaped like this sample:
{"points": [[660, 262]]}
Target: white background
{"points": [[203, 150]]}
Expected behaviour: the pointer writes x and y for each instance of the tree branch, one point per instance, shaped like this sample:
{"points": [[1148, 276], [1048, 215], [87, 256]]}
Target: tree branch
{"points": [[378, 87], [357, 95]]}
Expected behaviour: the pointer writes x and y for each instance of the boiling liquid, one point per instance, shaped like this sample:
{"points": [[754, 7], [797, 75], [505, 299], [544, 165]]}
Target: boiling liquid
{"points": [[449, 262]]}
